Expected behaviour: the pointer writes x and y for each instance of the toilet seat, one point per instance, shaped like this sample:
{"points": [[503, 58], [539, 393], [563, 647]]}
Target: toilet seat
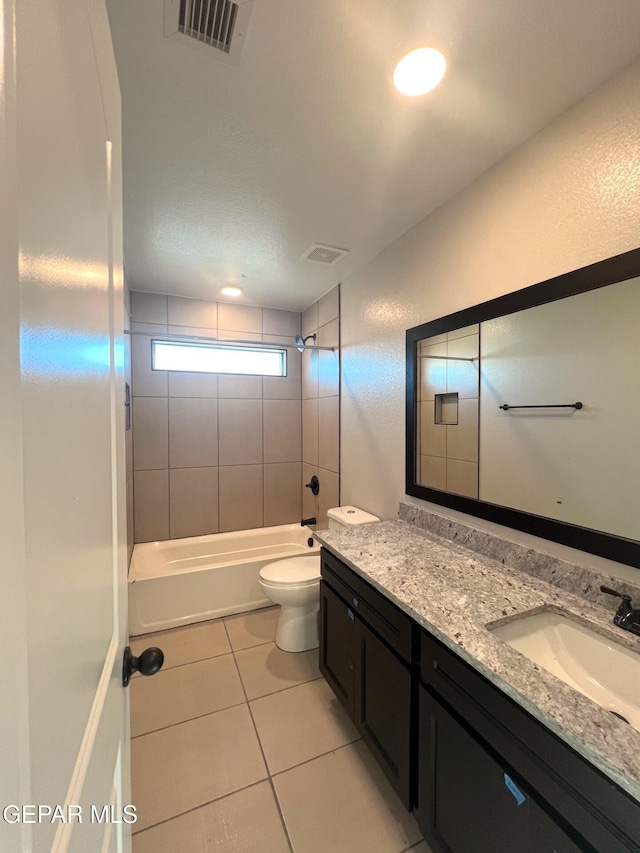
{"points": [[296, 571]]}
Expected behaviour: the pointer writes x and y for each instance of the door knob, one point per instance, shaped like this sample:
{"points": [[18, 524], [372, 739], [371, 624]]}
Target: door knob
{"points": [[148, 663]]}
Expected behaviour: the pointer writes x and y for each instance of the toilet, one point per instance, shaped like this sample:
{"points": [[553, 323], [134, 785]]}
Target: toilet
{"points": [[294, 584]]}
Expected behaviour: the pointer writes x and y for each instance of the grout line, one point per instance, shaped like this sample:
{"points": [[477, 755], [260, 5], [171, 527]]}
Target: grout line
{"points": [[321, 755], [224, 625], [283, 689], [266, 764], [254, 646], [190, 720], [264, 696], [281, 813], [244, 691], [269, 778], [255, 728], [164, 670], [201, 806], [264, 758]]}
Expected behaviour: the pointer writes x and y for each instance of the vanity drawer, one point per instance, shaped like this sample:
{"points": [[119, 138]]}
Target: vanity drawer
{"points": [[390, 623]]}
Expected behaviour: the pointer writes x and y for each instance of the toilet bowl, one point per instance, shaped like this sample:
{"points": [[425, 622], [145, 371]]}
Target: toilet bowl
{"points": [[294, 584]]}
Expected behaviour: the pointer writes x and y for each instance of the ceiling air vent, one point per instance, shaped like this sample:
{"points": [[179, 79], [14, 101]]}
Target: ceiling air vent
{"points": [[319, 253], [215, 25]]}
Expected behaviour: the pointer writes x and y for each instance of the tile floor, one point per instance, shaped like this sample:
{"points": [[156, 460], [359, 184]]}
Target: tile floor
{"points": [[239, 747]]}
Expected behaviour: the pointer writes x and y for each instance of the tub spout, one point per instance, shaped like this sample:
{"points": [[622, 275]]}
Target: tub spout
{"points": [[305, 522]]}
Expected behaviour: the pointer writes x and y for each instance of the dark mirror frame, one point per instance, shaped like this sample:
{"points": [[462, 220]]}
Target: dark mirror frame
{"points": [[601, 274]]}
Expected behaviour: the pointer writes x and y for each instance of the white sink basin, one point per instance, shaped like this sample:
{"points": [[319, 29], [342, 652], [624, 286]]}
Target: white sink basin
{"points": [[586, 660]]}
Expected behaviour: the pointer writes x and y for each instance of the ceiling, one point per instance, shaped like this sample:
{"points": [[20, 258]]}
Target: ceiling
{"points": [[232, 173]]}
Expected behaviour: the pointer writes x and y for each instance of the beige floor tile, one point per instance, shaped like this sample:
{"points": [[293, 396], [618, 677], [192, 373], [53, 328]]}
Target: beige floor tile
{"points": [[301, 723], [342, 803], [183, 693], [265, 669], [185, 766], [245, 822], [188, 644], [252, 629]]}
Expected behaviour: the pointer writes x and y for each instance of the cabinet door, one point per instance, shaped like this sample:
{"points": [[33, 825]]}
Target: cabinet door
{"points": [[547, 837], [337, 644], [383, 707], [465, 803], [468, 799]]}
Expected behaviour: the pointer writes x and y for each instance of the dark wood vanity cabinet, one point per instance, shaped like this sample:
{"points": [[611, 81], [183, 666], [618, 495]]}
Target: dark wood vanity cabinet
{"points": [[492, 778], [473, 800], [365, 656], [382, 707], [482, 775], [337, 646]]}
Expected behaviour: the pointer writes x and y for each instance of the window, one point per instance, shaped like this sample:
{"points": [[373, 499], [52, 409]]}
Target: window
{"points": [[216, 358]]}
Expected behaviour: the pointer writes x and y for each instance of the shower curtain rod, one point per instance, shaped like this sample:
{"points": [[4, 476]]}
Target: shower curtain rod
{"points": [[172, 337]]}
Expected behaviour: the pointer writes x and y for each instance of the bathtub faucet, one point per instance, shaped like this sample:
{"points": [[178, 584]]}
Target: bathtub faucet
{"points": [[306, 521]]}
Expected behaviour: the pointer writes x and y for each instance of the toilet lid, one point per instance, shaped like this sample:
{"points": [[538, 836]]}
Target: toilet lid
{"points": [[293, 570]]}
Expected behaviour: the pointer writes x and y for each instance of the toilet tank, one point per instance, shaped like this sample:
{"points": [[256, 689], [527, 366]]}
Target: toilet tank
{"points": [[348, 516]]}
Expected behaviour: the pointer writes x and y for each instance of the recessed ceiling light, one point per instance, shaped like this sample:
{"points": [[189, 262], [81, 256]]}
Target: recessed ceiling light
{"points": [[419, 71], [231, 290]]}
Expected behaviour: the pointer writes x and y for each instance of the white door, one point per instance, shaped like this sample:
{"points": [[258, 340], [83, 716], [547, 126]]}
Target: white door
{"points": [[63, 711]]}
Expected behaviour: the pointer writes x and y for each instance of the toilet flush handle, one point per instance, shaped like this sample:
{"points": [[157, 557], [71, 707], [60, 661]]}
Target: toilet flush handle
{"points": [[148, 663]]}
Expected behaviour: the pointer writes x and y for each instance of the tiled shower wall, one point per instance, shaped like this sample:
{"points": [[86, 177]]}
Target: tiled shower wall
{"points": [[213, 453], [321, 407], [448, 411]]}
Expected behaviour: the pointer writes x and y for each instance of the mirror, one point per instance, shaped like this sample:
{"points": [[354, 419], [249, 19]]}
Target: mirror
{"points": [[526, 409]]}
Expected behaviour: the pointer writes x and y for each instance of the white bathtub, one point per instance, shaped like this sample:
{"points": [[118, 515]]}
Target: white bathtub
{"points": [[181, 581]]}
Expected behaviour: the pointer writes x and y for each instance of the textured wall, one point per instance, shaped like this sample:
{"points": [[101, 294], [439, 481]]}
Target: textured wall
{"points": [[567, 198]]}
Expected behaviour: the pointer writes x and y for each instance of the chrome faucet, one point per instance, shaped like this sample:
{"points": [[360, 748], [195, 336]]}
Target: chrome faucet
{"points": [[627, 617]]}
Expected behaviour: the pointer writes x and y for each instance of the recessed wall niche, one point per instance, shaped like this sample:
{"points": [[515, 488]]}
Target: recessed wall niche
{"points": [[446, 409]]}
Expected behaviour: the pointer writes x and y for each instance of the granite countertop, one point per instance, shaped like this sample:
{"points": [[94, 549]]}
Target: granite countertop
{"points": [[454, 593]]}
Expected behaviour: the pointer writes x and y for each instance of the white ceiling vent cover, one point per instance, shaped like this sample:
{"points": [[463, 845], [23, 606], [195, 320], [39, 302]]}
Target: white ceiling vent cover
{"points": [[217, 26], [320, 253]]}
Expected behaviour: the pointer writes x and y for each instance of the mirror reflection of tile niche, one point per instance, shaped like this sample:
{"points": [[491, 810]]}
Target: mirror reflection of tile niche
{"points": [[448, 411]]}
